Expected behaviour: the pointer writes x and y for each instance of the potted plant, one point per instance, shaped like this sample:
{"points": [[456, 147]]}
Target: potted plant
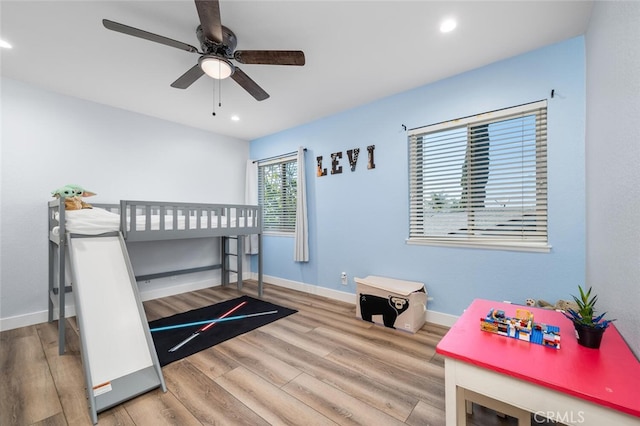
{"points": [[589, 327]]}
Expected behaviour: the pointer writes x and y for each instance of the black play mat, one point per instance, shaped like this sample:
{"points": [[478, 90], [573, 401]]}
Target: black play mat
{"points": [[258, 313]]}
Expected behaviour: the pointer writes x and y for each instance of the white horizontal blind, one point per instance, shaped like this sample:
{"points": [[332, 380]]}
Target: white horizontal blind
{"points": [[481, 179], [277, 194]]}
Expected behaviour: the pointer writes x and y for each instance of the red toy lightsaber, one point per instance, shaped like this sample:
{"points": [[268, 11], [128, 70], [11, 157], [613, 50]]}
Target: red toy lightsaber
{"points": [[205, 328]]}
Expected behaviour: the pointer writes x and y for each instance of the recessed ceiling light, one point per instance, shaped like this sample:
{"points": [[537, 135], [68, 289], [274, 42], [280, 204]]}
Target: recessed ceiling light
{"points": [[235, 118], [5, 44], [448, 25]]}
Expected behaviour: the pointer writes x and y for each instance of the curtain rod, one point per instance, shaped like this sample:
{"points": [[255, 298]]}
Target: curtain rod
{"points": [[275, 157]]}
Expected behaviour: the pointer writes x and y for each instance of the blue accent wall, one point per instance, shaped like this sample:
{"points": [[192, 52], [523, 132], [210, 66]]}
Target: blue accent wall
{"points": [[358, 221]]}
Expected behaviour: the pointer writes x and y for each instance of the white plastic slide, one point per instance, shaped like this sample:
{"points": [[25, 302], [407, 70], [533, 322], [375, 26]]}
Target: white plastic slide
{"points": [[118, 355]]}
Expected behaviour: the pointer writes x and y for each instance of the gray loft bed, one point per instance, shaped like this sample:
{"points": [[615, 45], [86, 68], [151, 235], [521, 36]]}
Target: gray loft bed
{"points": [[152, 221]]}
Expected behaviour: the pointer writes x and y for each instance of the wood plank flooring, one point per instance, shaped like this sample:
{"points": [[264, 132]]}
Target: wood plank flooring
{"points": [[320, 366]]}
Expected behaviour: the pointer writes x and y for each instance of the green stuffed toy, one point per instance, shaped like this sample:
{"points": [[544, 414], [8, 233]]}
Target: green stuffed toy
{"points": [[73, 196]]}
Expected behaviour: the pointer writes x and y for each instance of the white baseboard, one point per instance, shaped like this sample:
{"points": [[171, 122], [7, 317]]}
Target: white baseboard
{"points": [[150, 294], [439, 318], [308, 288], [18, 321], [32, 318], [145, 294]]}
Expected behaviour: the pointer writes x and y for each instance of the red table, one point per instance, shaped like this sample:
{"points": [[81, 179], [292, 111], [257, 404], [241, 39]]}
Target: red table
{"points": [[572, 385]]}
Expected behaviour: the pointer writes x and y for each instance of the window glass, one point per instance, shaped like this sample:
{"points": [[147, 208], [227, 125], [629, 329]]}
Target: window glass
{"points": [[277, 193], [481, 180]]}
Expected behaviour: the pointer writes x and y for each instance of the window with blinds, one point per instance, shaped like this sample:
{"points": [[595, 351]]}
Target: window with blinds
{"points": [[481, 180], [277, 193]]}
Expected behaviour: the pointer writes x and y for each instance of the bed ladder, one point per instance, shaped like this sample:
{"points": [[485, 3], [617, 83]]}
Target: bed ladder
{"points": [[227, 255]]}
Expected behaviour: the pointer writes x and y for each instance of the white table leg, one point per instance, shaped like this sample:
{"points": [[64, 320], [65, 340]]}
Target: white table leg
{"points": [[451, 407]]}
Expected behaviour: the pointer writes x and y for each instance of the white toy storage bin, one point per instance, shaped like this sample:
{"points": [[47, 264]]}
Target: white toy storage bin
{"points": [[391, 302]]}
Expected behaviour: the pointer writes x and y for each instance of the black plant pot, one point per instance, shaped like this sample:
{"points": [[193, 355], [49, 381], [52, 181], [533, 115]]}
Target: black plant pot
{"points": [[589, 337]]}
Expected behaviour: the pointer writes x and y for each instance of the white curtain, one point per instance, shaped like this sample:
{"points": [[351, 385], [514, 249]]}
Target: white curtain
{"points": [[251, 197], [301, 253]]}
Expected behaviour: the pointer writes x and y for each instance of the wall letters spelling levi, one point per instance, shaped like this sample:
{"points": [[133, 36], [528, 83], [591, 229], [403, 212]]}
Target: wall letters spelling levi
{"points": [[352, 155]]}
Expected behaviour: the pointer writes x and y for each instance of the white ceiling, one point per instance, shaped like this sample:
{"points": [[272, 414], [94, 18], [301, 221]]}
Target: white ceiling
{"points": [[356, 52]]}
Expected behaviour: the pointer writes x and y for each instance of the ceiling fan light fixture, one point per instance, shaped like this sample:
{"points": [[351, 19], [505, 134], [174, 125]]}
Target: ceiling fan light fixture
{"points": [[216, 67]]}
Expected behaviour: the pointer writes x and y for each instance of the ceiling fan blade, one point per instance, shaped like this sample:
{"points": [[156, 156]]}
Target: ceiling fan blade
{"points": [[209, 14], [188, 78], [249, 85], [125, 29], [270, 57]]}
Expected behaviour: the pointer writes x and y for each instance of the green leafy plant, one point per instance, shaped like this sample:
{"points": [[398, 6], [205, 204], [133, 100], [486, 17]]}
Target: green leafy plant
{"points": [[585, 315]]}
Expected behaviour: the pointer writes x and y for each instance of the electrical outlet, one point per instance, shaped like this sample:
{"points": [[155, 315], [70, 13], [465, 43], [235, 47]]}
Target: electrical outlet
{"points": [[343, 277]]}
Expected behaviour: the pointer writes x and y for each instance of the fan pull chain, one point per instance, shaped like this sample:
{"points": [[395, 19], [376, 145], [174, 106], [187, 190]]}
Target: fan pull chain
{"points": [[219, 85], [219, 93], [213, 97]]}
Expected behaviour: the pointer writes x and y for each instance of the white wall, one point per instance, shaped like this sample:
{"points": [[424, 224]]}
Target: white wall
{"points": [[613, 163], [49, 140]]}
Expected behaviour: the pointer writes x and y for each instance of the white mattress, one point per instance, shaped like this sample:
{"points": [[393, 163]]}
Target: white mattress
{"points": [[97, 221]]}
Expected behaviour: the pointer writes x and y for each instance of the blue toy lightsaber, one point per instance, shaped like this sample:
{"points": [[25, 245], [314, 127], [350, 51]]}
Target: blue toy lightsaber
{"points": [[191, 324], [205, 328]]}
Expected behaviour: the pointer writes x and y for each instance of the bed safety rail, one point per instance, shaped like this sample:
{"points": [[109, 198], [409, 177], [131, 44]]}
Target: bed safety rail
{"points": [[152, 220]]}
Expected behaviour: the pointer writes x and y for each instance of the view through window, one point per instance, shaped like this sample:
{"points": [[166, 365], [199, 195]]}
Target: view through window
{"points": [[277, 193], [481, 180]]}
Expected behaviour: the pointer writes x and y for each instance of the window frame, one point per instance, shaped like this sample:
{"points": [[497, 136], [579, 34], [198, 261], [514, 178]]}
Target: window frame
{"points": [[419, 212], [289, 230]]}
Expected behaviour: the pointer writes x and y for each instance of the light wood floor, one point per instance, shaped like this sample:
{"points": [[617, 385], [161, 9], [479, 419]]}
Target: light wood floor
{"points": [[320, 366]]}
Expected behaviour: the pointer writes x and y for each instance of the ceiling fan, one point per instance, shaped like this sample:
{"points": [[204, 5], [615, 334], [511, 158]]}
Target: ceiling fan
{"points": [[218, 45]]}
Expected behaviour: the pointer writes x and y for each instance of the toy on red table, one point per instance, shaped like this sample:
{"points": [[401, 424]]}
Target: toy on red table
{"points": [[521, 327]]}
